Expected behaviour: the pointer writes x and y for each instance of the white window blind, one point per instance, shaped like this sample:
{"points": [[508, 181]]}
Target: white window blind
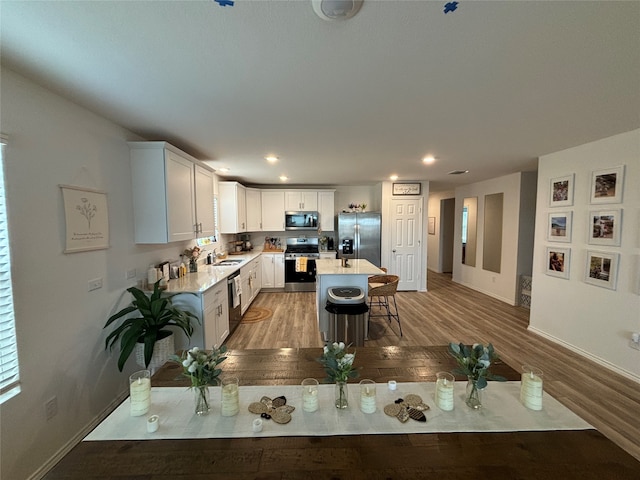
{"points": [[9, 372]]}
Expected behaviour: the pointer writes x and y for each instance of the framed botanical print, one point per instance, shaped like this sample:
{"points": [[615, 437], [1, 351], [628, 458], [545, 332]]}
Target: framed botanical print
{"points": [[604, 227], [86, 217], [558, 262], [559, 228], [607, 185], [561, 191], [602, 269]]}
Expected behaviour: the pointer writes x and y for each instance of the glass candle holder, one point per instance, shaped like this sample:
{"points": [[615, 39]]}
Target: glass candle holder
{"points": [[367, 396], [444, 390], [531, 387], [309, 395], [230, 397], [140, 392]]}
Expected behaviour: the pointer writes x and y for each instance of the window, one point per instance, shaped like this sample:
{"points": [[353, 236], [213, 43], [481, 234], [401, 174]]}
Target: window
{"points": [[9, 373]]}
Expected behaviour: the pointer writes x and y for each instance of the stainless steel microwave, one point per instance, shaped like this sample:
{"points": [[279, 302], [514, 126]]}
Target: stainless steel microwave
{"points": [[300, 220]]}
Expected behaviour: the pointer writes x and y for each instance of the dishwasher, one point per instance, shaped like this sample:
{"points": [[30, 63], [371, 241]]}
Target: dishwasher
{"points": [[235, 310]]}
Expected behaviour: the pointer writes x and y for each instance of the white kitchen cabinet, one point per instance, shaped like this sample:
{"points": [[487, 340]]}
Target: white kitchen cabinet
{"points": [[272, 270], [272, 210], [251, 277], [164, 193], [254, 210], [326, 210], [301, 200], [204, 202], [233, 207]]}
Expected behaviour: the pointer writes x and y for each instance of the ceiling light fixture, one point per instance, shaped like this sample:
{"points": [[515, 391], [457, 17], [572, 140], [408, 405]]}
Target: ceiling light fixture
{"points": [[429, 159], [336, 9], [222, 170], [458, 172], [271, 158], [283, 178], [393, 177]]}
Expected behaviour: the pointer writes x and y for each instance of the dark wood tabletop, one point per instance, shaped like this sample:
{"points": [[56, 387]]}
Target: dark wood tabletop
{"points": [[581, 454]]}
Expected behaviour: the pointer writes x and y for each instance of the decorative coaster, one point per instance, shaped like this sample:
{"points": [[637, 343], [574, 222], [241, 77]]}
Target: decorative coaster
{"points": [[411, 406], [276, 409]]}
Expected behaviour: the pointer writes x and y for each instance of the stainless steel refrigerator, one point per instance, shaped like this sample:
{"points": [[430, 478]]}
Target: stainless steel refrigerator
{"points": [[359, 236]]}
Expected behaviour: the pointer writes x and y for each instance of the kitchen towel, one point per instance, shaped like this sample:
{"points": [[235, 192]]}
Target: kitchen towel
{"points": [[301, 264], [237, 291]]}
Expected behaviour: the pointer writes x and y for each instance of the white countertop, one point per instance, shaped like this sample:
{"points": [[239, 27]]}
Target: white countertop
{"points": [[356, 267], [208, 276]]}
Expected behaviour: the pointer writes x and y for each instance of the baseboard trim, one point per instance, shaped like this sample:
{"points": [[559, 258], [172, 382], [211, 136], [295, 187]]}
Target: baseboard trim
{"points": [[584, 353], [508, 301], [76, 439]]}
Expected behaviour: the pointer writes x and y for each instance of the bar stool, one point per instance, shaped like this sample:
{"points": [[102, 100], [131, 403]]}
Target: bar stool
{"points": [[382, 287]]}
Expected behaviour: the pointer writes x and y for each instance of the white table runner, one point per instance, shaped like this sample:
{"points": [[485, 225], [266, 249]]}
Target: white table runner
{"points": [[501, 412]]}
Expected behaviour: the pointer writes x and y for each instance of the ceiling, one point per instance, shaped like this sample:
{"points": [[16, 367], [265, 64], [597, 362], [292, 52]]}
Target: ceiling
{"points": [[487, 88]]}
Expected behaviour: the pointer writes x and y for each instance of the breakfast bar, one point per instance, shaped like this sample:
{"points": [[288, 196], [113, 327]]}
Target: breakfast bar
{"points": [[574, 450]]}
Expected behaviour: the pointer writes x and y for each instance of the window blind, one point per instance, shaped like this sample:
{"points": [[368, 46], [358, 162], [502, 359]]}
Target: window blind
{"points": [[9, 371]]}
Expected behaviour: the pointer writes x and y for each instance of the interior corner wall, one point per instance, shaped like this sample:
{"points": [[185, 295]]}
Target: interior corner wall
{"points": [[503, 285], [59, 323], [434, 248], [591, 320]]}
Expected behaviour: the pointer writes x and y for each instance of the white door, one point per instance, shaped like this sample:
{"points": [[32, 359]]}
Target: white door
{"points": [[406, 241]]}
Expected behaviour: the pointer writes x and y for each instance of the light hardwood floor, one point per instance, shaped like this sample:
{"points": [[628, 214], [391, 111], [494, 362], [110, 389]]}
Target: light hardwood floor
{"points": [[451, 312]]}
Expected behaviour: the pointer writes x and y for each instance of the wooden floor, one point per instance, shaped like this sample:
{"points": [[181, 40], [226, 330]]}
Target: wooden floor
{"points": [[451, 312]]}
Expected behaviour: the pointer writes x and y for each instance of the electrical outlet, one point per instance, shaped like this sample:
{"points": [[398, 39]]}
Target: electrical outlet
{"points": [[635, 340], [95, 284], [51, 408], [131, 274]]}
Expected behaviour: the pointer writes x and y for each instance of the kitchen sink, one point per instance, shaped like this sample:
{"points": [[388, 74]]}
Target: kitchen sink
{"points": [[227, 263]]}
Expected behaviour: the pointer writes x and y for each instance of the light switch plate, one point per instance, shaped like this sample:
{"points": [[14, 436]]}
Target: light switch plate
{"points": [[95, 284]]}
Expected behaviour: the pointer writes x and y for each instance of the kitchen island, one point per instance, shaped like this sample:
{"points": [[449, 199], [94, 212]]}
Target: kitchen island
{"points": [[331, 273]]}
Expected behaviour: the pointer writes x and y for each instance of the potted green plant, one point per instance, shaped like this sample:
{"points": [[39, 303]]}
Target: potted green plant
{"points": [[156, 313]]}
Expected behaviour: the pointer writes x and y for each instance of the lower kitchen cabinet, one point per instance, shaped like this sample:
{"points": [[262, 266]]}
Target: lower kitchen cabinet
{"points": [[251, 277], [272, 270], [212, 308]]}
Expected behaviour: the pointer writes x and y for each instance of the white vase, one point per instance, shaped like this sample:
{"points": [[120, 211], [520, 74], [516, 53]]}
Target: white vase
{"points": [[161, 351]]}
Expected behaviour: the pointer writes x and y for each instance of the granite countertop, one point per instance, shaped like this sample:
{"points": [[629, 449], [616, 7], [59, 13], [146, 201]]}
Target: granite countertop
{"points": [[330, 266], [208, 276]]}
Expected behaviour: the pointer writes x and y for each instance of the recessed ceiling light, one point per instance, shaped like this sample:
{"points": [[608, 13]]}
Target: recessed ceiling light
{"points": [[222, 170], [458, 172], [393, 177], [429, 159], [271, 158], [283, 178]]}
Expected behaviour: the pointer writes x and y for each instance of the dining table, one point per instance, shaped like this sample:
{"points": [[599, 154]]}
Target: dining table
{"points": [[451, 453]]}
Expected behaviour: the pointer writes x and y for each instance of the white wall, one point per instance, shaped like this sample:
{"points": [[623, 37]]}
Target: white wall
{"points": [[592, 320], [433, 241], [370, 195], [503, 285], [59, 323]]}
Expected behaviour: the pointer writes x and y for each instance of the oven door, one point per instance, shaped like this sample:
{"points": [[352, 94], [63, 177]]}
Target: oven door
{"points": [[297, 278]]}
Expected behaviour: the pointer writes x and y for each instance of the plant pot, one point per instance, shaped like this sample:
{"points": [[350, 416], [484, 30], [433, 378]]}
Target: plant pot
{"points": [[161, 351]]}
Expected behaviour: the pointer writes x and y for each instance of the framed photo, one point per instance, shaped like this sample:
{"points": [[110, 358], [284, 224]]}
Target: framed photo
{"points": [[407, 188], [87, 219], [558, 262], [561, 191], [559, 228], [604, 227], [602, 269], [607, 185], [432, 225]]}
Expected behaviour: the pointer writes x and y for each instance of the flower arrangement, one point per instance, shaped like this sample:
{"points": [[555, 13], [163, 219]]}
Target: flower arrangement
{"points": [[474, 362], [192, 253], [337, 363], [200, 366]]}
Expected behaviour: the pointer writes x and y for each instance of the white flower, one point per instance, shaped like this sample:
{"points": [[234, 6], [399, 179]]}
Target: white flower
{"points": [[326, 349], [348, 358], [484, 363], [341, 345], [186, 362], [194, 350], [192, 368], [335, 346]]}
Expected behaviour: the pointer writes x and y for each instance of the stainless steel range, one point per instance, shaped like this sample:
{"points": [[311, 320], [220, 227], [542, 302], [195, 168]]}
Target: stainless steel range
{"points": [[300, 264]]}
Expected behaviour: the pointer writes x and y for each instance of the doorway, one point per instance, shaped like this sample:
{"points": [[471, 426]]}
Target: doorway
{"points": [[447, 222]]}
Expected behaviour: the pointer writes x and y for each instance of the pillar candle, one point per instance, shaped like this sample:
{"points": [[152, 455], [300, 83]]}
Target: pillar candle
{"points": [[140, 392], [531, 388], [367, 396], [230, 397], [444, 391]]}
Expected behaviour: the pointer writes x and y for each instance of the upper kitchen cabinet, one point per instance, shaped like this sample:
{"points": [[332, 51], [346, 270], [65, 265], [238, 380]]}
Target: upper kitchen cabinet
{"points": [[164, 193], [233, 207], [254, 210], [272, 210], [204, 202], [301, 200], [326, 206]]}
